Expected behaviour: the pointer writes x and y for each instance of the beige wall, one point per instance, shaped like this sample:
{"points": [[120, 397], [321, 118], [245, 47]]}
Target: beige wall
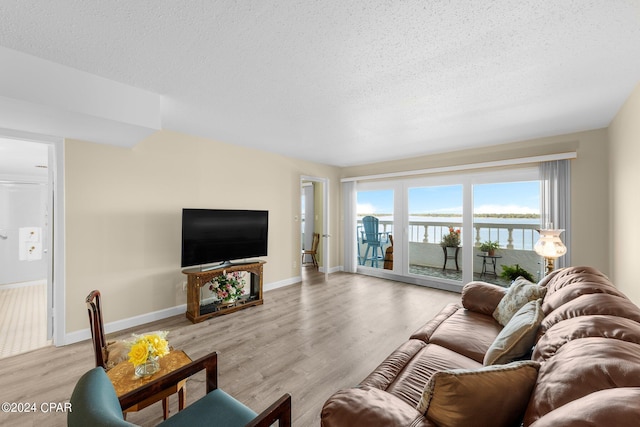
{"points": [[624, 137], [123, 216], [589, 183]]}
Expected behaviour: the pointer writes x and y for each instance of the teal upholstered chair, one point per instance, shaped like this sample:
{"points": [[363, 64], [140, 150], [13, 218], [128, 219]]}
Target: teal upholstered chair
{"points": [[94, 402]]}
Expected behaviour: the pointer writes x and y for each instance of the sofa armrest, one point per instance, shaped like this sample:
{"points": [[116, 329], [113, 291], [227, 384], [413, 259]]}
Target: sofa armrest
{"points": [[482, 297], [369, 407]]}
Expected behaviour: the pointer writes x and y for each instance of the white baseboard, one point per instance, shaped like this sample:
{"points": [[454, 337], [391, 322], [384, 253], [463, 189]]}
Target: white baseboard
{"points": [[132, 322], [332, 269], [281, 284]]}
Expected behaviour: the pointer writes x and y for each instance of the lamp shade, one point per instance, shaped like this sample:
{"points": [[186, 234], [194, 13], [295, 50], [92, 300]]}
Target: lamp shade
{"points": [[549, 245]]}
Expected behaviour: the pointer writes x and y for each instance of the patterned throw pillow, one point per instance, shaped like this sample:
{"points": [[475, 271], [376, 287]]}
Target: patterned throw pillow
{"points": [[494, 395], [517, 338], [520, 292]]}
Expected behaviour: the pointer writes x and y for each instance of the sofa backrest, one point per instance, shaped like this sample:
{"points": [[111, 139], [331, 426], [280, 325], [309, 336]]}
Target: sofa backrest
{"points": [[589, 341]]}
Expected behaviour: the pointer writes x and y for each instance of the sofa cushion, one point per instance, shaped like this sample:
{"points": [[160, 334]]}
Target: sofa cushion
{"points": [[517, 337], [570, 292], [584, 327], [581, 367], [369, 407], [388, 370], [612, 407], [590, 304], [410, 382], [424, 332], [562, 277], [495, 395], [468, 333], [519, 293]]}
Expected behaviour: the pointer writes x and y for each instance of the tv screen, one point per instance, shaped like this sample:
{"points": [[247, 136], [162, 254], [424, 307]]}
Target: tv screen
{"points": [[221, 235]]}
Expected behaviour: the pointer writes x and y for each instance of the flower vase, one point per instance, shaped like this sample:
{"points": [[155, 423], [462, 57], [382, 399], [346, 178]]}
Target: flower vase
{"points": [[150, 367]]}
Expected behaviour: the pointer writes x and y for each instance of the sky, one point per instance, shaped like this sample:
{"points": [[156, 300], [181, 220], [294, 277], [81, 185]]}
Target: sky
{"points": [[501, 198]]}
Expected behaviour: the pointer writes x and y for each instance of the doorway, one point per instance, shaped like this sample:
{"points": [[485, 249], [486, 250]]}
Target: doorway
{"points": [[314, 215], [25, 242]]}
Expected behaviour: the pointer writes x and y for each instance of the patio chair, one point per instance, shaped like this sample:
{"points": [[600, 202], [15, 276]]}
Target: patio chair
{"points": [[374, 239]]}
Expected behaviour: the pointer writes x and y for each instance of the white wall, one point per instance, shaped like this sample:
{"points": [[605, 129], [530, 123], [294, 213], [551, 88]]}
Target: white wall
{"points": [[21, 205], [624, 236]]}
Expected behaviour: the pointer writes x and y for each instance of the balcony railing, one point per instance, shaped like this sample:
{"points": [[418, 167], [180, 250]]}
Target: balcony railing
{"points": [[516, 242], [517, 236]]}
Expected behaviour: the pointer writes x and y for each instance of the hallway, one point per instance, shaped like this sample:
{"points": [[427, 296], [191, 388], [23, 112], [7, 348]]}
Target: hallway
{"points": [[23, 318]]}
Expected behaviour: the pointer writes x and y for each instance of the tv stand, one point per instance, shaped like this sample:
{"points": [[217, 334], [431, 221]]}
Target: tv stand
{"points": [[198, 278]]}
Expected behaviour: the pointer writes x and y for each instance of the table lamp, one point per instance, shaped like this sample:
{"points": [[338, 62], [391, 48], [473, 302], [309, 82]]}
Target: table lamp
{"points": [[550, 246]]}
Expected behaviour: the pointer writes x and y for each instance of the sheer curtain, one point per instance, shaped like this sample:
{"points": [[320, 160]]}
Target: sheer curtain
{"points": [[350, 210], [555, 196]]}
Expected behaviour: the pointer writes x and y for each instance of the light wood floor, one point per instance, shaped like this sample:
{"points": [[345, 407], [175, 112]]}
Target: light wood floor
{"points": [[308, 339]]}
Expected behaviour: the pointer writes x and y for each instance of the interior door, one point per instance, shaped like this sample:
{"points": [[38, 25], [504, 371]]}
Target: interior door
{"points": [[321, 207]]}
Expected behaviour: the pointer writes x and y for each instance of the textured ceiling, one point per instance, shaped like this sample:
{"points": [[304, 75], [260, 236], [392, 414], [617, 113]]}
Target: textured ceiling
{"points": [[351, 82]]}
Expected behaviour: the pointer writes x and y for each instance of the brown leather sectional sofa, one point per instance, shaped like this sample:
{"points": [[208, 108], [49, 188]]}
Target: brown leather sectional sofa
{"points": [[584, 369]]}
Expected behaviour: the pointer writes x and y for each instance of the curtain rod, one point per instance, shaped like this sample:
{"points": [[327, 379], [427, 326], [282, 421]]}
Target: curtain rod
{"points": [[469, 166]]}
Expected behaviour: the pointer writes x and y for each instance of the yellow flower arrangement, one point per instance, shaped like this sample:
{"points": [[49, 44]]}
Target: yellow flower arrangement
{"points": [[147, 346]]}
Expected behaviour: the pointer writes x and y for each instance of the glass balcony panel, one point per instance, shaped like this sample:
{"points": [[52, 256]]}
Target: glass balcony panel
{"points": [[374, 229], [505, 219]]}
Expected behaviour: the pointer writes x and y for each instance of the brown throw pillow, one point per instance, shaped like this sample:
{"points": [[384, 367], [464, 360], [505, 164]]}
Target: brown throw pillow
{"points": [[494, 395], [518, 337], [520, 292]]}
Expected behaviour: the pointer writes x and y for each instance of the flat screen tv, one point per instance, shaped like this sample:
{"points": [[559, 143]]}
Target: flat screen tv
{"points": [[222, 235]]}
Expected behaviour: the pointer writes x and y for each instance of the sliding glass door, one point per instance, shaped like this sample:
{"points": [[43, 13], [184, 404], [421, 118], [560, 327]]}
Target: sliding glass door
{"points": [[435, 231], [374, 229], [506, 216], [449, 230]]}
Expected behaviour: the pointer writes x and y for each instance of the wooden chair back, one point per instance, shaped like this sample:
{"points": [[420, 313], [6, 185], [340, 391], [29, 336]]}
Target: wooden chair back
{"points": [[97, 327], [315, 243]]}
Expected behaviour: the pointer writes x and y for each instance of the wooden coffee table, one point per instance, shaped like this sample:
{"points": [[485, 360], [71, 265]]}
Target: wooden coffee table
{"points": [[124, 381]]}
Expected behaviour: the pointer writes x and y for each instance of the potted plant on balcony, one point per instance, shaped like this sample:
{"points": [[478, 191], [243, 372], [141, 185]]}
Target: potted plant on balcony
{"points": [[512, 272], [451, 240], [489, 247], [450, 246]]}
